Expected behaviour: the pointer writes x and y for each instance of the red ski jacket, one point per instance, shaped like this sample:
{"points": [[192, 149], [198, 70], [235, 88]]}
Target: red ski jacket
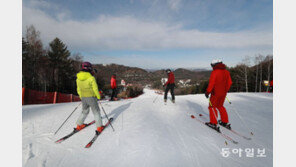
{"points": [[113, 82], [220, 81], [171, 79]]}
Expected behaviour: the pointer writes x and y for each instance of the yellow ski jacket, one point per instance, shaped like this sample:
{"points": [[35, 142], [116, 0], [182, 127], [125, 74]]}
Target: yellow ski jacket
{"points": [[87, 85]]}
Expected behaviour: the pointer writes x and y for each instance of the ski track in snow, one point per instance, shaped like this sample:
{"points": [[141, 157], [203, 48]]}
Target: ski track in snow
{"points": [[149, 133]]}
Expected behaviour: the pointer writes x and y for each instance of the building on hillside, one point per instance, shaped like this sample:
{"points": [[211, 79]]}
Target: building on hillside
{"points": [[184, 82], [123, 83], [164, 80]]}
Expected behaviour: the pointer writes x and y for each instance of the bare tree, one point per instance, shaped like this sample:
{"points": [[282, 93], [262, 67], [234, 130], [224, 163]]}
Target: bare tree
{"points": [[245, 70], [260, 60], [34, 54], [77, 60], [256, 62]]}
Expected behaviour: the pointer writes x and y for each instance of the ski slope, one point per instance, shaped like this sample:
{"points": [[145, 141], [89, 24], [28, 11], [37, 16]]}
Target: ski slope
{"points": [[149, 134]]}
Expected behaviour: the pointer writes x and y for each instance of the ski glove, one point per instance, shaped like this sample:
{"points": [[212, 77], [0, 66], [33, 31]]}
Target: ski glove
{"points": [[207, 95]]}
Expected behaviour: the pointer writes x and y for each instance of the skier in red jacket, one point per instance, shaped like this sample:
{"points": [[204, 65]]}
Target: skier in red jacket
{"points": [[113, 87], [219, 84], [170, 85], [271, 86]]}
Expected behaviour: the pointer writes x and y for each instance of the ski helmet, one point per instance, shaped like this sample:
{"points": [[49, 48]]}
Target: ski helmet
{"points": [[215, 62], [168, 71], [86, 66]]}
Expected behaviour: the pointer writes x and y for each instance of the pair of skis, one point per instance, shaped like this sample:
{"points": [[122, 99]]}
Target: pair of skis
{"points": [[233, 131], [89, 144], [222, 134], [76, 131]]}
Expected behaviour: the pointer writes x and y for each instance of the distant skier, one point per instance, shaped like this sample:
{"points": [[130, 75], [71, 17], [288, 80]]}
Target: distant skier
{"points": [[88, 92], [170, 85], [219, 84], [271, 86], [113, 87]]}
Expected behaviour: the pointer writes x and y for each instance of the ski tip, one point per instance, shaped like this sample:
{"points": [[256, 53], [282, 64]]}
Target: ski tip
{"points": [[218, 130], [87, 146], [192, 116], [247, 138], [58, 141], [235, 142]]}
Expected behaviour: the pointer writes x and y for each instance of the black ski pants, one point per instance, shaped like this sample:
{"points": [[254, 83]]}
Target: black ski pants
{"points": [[113, 94], [169, 87]]}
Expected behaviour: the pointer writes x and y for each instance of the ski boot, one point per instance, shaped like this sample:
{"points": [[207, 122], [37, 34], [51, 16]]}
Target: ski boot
{"points": [[79, 127], [100, 129], [173, 101], [165, 100], [213, 126], [226, 125]]}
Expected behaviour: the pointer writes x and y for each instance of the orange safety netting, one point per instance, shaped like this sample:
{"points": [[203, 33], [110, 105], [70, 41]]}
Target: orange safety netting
{"points": [[37, 97]]}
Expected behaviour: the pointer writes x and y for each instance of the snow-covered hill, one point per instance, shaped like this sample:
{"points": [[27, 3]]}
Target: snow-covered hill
{"points": [[149, 134]]}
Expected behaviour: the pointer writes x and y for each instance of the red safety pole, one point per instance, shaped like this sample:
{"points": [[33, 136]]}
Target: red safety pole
{"points": [[55, 97], [23, 96]]}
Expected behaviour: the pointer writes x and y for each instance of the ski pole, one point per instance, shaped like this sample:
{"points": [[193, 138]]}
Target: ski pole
{"points": [[234, 109], [228, 100], [67, 118], [155, 98], [216, 116], [106, 115]]}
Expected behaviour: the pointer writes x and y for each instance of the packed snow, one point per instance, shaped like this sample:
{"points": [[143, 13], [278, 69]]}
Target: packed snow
{"points": [[151, 134]]}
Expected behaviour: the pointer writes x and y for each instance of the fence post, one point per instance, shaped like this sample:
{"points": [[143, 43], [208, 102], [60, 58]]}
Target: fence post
{"points": [[71, 96], [55, 97], [23, 95]]}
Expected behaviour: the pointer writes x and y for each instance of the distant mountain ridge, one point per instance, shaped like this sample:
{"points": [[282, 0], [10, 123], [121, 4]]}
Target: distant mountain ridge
{"points": [[138, 75]]}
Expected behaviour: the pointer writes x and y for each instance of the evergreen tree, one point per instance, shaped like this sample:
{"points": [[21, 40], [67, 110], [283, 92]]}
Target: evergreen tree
{"points": [[62, 70], [25, 63]]}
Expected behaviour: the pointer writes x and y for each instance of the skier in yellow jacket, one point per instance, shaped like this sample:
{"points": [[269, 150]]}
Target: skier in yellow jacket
{"points": [[88, 92]]}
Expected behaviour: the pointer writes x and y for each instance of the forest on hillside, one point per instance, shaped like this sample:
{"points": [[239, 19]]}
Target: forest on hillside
{"points": [[54, 68]]}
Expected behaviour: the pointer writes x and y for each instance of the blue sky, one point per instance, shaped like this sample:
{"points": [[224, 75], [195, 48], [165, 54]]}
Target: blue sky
{"points": [[156, 33]]}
